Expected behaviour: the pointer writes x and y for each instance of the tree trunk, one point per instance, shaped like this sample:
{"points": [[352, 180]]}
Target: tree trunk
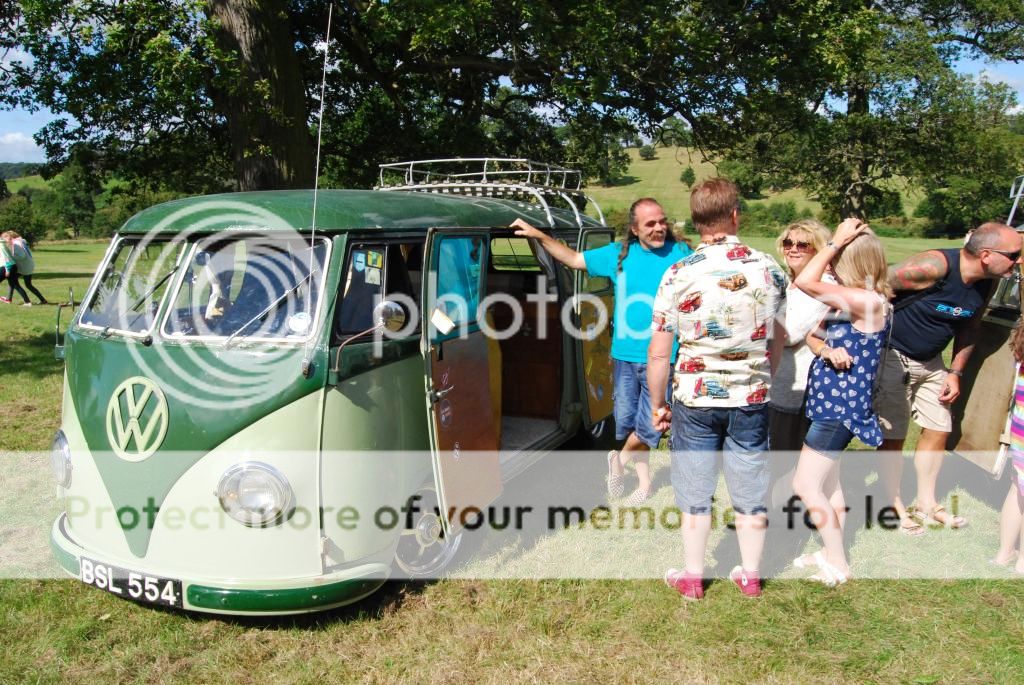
{"points": [[266, 107], [856, 186]]}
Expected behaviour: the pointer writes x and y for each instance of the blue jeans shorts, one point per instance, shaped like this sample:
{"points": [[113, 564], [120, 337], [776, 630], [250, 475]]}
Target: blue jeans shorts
{"points": [[633, 403], [828, 437], [698, 435]]}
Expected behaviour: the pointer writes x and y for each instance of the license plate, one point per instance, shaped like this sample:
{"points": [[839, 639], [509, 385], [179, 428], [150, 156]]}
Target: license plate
{"points": [[140, 587]]}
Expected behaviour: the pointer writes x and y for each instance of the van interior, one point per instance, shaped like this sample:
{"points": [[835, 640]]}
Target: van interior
{"points": [[526, 366]]}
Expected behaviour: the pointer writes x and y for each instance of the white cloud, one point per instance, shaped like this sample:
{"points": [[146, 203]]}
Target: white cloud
{"points": [[19, 147]]}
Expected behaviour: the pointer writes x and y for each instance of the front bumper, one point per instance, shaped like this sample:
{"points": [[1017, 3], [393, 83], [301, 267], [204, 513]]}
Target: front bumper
{"points": [[233, 596]]}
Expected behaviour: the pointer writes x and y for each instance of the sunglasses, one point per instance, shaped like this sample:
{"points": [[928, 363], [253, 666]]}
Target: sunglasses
{"points": [[1012, 256], [800, 245]]}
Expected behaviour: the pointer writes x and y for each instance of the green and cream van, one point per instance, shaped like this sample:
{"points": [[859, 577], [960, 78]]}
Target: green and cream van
{"points": [[252, 379]]}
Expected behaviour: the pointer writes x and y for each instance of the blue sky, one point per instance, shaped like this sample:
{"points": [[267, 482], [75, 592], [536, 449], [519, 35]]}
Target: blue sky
{"points": [[18, 126]]}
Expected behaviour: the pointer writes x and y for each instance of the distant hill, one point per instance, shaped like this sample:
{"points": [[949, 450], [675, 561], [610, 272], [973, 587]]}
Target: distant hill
{"points": [[659, 178], [17, 169]]}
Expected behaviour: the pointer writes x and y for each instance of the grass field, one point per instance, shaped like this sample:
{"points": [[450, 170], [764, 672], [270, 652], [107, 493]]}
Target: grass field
{"points": [[659, 178], [921, 631]]}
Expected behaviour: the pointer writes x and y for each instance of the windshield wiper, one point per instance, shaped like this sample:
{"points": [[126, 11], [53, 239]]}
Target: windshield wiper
{"points": [[149, 292], [270, 307]]}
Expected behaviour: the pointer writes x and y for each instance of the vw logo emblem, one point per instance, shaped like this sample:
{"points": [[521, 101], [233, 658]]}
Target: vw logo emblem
{"points": [[135, 401]]}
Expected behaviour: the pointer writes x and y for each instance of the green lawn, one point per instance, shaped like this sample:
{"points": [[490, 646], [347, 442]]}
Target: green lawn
{"points": [[36, 182], [659, 178], [922, 631]]}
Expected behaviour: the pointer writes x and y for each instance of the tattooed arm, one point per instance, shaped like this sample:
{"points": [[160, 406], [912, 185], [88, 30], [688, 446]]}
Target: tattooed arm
{"points": [[918, 272]]}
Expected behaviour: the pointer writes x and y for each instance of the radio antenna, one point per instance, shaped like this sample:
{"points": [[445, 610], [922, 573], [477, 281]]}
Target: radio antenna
{"points": [[307, 369]]}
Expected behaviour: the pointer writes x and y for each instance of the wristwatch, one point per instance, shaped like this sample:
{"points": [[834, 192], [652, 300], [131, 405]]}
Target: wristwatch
{"points": [[956, 372]]}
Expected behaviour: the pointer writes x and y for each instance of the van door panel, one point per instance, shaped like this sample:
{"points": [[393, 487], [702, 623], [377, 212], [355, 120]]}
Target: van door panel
{"points": [[593, 354], [464, 440]]}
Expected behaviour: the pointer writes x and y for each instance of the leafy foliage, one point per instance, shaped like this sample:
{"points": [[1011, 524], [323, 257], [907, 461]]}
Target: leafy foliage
{"points": [[17, 169], [688, 176], [16, 213], [647, 152], [191, 94], [891, 107]]}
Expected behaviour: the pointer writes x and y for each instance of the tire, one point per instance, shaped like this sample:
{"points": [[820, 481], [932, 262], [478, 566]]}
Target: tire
{"points": [[599, 437], [424, 551]]}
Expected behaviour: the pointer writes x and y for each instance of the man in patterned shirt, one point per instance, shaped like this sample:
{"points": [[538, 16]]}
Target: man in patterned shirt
{"points": [[721, 303]]}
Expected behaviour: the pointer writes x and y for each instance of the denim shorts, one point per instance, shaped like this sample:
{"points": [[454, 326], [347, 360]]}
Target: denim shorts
{"points": [[698, 435], [633, 403], [828, 437]]}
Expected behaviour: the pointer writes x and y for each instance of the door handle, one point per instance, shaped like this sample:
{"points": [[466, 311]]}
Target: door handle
{"points": [[439, 394]]}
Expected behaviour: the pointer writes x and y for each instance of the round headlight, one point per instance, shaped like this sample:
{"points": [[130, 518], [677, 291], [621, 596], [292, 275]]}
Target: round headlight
{"points": [[60, 460], [255, 494]]}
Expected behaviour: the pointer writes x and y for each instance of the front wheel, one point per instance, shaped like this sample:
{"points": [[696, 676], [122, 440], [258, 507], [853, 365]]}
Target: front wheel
{"points": [[600, 436], [424, 549]]}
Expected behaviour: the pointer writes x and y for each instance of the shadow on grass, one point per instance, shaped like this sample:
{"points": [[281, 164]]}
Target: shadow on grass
{"points": [[626, 180], [391, 597], [52, 275], [33, 356]]}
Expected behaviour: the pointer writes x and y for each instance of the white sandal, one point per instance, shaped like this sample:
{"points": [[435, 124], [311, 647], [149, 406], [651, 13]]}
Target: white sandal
{"points": [[801, 561], [616, 488], [829, 575]]}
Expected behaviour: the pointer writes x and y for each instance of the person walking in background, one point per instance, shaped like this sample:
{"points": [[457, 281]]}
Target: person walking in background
{"points": [[7, 266], [1011, 518], [25, 265], [635, 266], [720, 304], [842, 381], [940, 296]]}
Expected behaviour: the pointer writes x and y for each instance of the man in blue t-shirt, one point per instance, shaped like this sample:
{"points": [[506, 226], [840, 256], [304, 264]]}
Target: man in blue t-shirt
{"points": [[636, 266]]}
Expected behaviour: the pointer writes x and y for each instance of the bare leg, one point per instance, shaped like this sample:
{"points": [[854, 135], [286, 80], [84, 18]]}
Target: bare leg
{"points": [[1010, 525], [637, 451], [751, 530], [890, 473], [928, 462], [836, 499], [814, 472], [696, 529]]}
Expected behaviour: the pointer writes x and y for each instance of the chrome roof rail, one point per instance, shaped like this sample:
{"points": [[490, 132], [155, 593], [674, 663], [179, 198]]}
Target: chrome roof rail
{"points": [[1016, 192], [495, 177]]}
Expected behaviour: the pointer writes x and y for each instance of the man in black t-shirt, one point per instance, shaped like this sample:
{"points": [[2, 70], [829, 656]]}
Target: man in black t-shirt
{"points": [[940, 296]]}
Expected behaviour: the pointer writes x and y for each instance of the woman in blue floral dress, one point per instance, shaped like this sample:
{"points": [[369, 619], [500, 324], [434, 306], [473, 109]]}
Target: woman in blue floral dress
{"points": [[841, 381]]}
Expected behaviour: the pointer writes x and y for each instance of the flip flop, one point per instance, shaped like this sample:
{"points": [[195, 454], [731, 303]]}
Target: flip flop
{"points": [[829, 575], [914, 530], [954, 521], [1004, 564], [616, 488], [808, 560]]}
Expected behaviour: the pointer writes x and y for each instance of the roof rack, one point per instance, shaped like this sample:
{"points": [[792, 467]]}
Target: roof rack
{"points": [[1016, 193], [497, 177]]}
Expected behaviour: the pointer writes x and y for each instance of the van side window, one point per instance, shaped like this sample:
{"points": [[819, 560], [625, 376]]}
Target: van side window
{"points": [[376, 272], [595, 284], [458, 283]]}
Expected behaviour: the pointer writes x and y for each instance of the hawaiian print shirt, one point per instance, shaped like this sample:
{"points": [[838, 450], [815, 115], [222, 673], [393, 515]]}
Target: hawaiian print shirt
{"points": [[720, 302]]}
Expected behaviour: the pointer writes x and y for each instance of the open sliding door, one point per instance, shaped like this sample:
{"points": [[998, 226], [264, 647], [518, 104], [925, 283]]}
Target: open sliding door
{"points": [[594, 302], [464, 439]]}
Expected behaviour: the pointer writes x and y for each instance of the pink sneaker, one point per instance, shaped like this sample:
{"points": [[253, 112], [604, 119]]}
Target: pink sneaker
{"points": [[748, 582], [689, 585], [5, 300]]}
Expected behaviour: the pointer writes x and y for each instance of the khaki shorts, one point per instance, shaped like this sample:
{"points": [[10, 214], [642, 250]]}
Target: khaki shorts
{"points": [[910, 389]]}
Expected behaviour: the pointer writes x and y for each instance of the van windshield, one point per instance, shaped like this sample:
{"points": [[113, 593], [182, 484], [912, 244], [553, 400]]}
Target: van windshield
{"points": [[132, 285], [252, 287]]}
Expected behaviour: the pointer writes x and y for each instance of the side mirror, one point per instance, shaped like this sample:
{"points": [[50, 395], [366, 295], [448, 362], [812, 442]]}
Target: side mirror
{"points": [[58, 347], [389, 315]]}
